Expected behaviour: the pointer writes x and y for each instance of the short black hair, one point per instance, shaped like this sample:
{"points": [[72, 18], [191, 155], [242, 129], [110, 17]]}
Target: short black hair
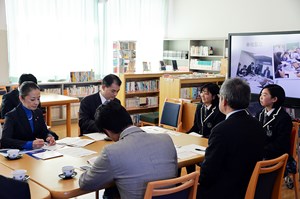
{"points": [[112, 116], [275, 91], [26, 87], [27, 77], [108, 80], [214, 90]]}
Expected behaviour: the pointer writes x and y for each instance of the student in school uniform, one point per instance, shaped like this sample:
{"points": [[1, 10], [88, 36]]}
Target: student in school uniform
{"points": [[24, 126], [207, 114], [275, 120]]}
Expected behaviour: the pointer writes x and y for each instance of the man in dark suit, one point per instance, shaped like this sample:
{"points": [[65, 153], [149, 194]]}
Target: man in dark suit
{"points": [[11, 100], [234, 146], [88, 105]]}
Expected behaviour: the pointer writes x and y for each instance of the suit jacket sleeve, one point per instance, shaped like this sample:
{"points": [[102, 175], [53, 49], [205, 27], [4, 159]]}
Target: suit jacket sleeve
{"points": [[99, 176], [214, 156], [6, 105]]}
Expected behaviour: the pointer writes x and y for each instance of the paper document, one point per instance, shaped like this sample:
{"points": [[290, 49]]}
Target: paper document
{"points": [[96, 136], [92, 160], [75, 152], [75, 141], [189, 151], [47, 155], [157, 129], [195, 134]]}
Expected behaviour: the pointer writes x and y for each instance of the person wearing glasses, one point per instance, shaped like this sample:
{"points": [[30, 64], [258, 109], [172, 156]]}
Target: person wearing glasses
{"points": [[109, 89], [234, 146], [24, 126], [134, 159]]}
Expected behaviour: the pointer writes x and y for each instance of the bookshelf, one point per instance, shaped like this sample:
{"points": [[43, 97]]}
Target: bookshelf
{"points": [[124, 54], [206, 54], [195, 53], [176, 50], [139, 92], [185, 87]]}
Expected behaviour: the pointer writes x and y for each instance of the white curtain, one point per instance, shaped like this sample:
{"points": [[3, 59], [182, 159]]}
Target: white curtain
{"points": [[50, 38], [142, 21]]}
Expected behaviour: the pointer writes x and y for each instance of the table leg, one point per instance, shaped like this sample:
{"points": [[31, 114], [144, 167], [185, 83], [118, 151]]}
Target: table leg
{"points": [[68, 119], [49, 122]]}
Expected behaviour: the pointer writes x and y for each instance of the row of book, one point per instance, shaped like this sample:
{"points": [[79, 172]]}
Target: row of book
{"points": [[141, 86], [171, 54], [52, 90], [190, 93], [81, 91], [199, 50], [136, 102], [124, 45], [205, 65], [82, 76]]}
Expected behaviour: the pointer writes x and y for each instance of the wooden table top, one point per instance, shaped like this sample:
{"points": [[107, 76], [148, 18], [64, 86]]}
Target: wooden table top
{"points": [[45, 172]]}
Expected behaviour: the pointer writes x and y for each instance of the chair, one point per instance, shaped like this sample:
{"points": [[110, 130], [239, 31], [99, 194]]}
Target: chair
{"points": [[171, 114], [3, 90], [267, 178], [149, 119], [292, 180], [11, 188], [183, 187]]}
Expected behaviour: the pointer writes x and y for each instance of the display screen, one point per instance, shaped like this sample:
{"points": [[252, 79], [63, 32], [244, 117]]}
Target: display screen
{"points": [[267, 58]]}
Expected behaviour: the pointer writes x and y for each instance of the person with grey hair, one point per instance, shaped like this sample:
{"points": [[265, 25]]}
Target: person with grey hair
{"points": [[234, 146]]}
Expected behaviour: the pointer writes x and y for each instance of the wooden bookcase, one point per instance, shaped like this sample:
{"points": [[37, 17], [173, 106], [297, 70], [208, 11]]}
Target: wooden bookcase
{"points": [[170, 87], [140, 95]]}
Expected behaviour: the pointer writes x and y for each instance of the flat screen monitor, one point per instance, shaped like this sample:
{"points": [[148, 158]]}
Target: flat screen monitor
{"points": [[267, 58]]}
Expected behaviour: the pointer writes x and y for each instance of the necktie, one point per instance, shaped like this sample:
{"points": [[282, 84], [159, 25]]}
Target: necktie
{"points": [[265, 118]]}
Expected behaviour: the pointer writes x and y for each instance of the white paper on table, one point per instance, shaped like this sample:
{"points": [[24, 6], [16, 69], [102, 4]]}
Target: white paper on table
{"points": [[53, 147], [96, 136], [76, 141], [47, 155], [75, 151], [195, 134], [185, 154], [157, 129], [193, 148]]}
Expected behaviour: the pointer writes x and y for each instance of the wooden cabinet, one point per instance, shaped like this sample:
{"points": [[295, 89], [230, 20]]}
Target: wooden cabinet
{"points": [[176, 50], [181, 87]]}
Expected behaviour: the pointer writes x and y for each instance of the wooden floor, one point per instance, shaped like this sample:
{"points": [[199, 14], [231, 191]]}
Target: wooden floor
{"points": [[61, 131]]}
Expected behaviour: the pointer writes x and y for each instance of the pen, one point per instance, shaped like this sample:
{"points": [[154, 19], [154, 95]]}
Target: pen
{"points": [[200, 149]]}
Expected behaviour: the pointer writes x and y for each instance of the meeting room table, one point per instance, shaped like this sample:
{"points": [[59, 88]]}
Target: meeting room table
{"points": [[46, 172]]}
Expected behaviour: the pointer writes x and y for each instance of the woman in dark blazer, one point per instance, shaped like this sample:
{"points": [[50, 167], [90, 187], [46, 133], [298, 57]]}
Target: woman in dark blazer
{"points": [[207, 114], [275, 120], [24, 126]]}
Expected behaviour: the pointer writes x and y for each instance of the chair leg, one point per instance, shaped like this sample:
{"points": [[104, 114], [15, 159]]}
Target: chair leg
{"points": [[296, 184], [96, 194]]}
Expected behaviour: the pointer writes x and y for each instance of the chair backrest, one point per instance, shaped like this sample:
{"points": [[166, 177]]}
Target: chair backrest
{"points": [[183, 187], [294, 140], [3, 90], [171, 114], [11, 188], [267, 179]]}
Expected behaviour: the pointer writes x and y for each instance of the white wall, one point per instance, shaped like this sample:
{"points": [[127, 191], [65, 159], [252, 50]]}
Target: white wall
{"points": [[217, 18], [3, 45]]}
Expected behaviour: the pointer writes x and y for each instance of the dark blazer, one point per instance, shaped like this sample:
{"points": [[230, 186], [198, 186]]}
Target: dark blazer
{"points": [[234, 147], [204, 125], [88, 106], [278, 128], [11, 188], [17, 130], [9, 102]]}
